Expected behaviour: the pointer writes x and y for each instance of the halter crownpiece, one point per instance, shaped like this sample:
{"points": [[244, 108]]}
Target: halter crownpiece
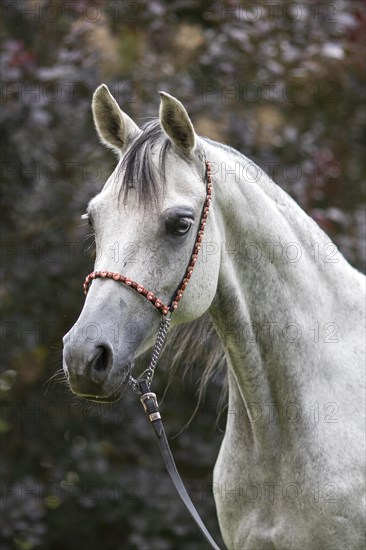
{"points": [[149, 295]]}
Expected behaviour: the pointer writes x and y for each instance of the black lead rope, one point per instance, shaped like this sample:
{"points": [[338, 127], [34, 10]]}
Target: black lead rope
{"points": [[149, 401]]}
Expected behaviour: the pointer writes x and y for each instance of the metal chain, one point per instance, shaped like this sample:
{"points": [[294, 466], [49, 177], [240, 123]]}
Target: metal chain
{"points": [[155, 354]]}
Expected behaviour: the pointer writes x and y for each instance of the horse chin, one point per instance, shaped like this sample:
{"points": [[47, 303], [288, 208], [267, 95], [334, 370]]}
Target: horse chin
{"points": [[108, 392], [102, 398]]}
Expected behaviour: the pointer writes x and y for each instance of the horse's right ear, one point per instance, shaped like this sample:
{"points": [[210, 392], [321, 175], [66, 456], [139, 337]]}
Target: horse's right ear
{"points": [[115, 129]]}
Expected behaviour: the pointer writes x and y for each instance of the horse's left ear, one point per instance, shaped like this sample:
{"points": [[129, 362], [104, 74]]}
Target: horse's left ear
{"points": [[176, 123]]}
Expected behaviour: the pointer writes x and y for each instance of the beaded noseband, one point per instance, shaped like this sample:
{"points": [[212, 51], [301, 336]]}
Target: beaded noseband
{"points": [[193, 260]]}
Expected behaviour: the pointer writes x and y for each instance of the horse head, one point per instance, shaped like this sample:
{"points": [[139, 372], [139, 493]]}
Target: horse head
{"points": [[145, 221]]}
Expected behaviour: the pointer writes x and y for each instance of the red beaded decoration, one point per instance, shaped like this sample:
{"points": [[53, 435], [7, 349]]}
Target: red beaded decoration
{"points": [[187, 276]]}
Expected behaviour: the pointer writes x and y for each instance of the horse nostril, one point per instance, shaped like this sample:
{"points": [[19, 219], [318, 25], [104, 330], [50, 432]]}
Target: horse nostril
{"points": [[100, 364]]}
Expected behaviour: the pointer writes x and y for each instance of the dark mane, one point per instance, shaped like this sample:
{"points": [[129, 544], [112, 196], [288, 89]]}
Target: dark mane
{"points": [[137, 165]]}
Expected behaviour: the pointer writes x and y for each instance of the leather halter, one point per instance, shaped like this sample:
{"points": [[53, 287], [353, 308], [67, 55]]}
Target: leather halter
{"points": [[166, 310], [192, 262], [142, 384]]}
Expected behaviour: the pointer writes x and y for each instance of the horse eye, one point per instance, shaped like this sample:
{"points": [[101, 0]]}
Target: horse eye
{"points": [[179, 226]]}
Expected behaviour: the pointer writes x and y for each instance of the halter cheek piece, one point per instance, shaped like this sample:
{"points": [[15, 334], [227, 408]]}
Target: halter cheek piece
{"points": [[142, 384], [192, 262]]}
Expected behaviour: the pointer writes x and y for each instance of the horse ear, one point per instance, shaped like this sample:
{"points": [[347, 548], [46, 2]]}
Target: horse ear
{"points": [[176, 123], [115, 129]]}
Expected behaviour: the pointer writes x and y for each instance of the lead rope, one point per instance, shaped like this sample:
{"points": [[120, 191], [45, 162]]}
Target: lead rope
{"points": [[150, 404], [141, 386]]}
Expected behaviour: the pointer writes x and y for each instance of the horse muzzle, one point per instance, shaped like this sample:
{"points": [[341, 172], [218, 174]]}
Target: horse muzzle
{"points": [[89, 369]]}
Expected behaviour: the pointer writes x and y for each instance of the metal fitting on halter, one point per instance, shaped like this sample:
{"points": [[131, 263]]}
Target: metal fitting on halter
{"points": [[150, 404]]}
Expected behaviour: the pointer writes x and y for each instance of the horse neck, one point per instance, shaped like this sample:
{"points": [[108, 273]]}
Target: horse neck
{"points": [[276, 281]]}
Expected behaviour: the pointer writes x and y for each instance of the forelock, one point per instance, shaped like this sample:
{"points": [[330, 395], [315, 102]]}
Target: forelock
{"points": [[139, 170]]}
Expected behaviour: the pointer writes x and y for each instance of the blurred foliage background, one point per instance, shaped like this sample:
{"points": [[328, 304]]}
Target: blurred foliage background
{"points": [[284, 83]]}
